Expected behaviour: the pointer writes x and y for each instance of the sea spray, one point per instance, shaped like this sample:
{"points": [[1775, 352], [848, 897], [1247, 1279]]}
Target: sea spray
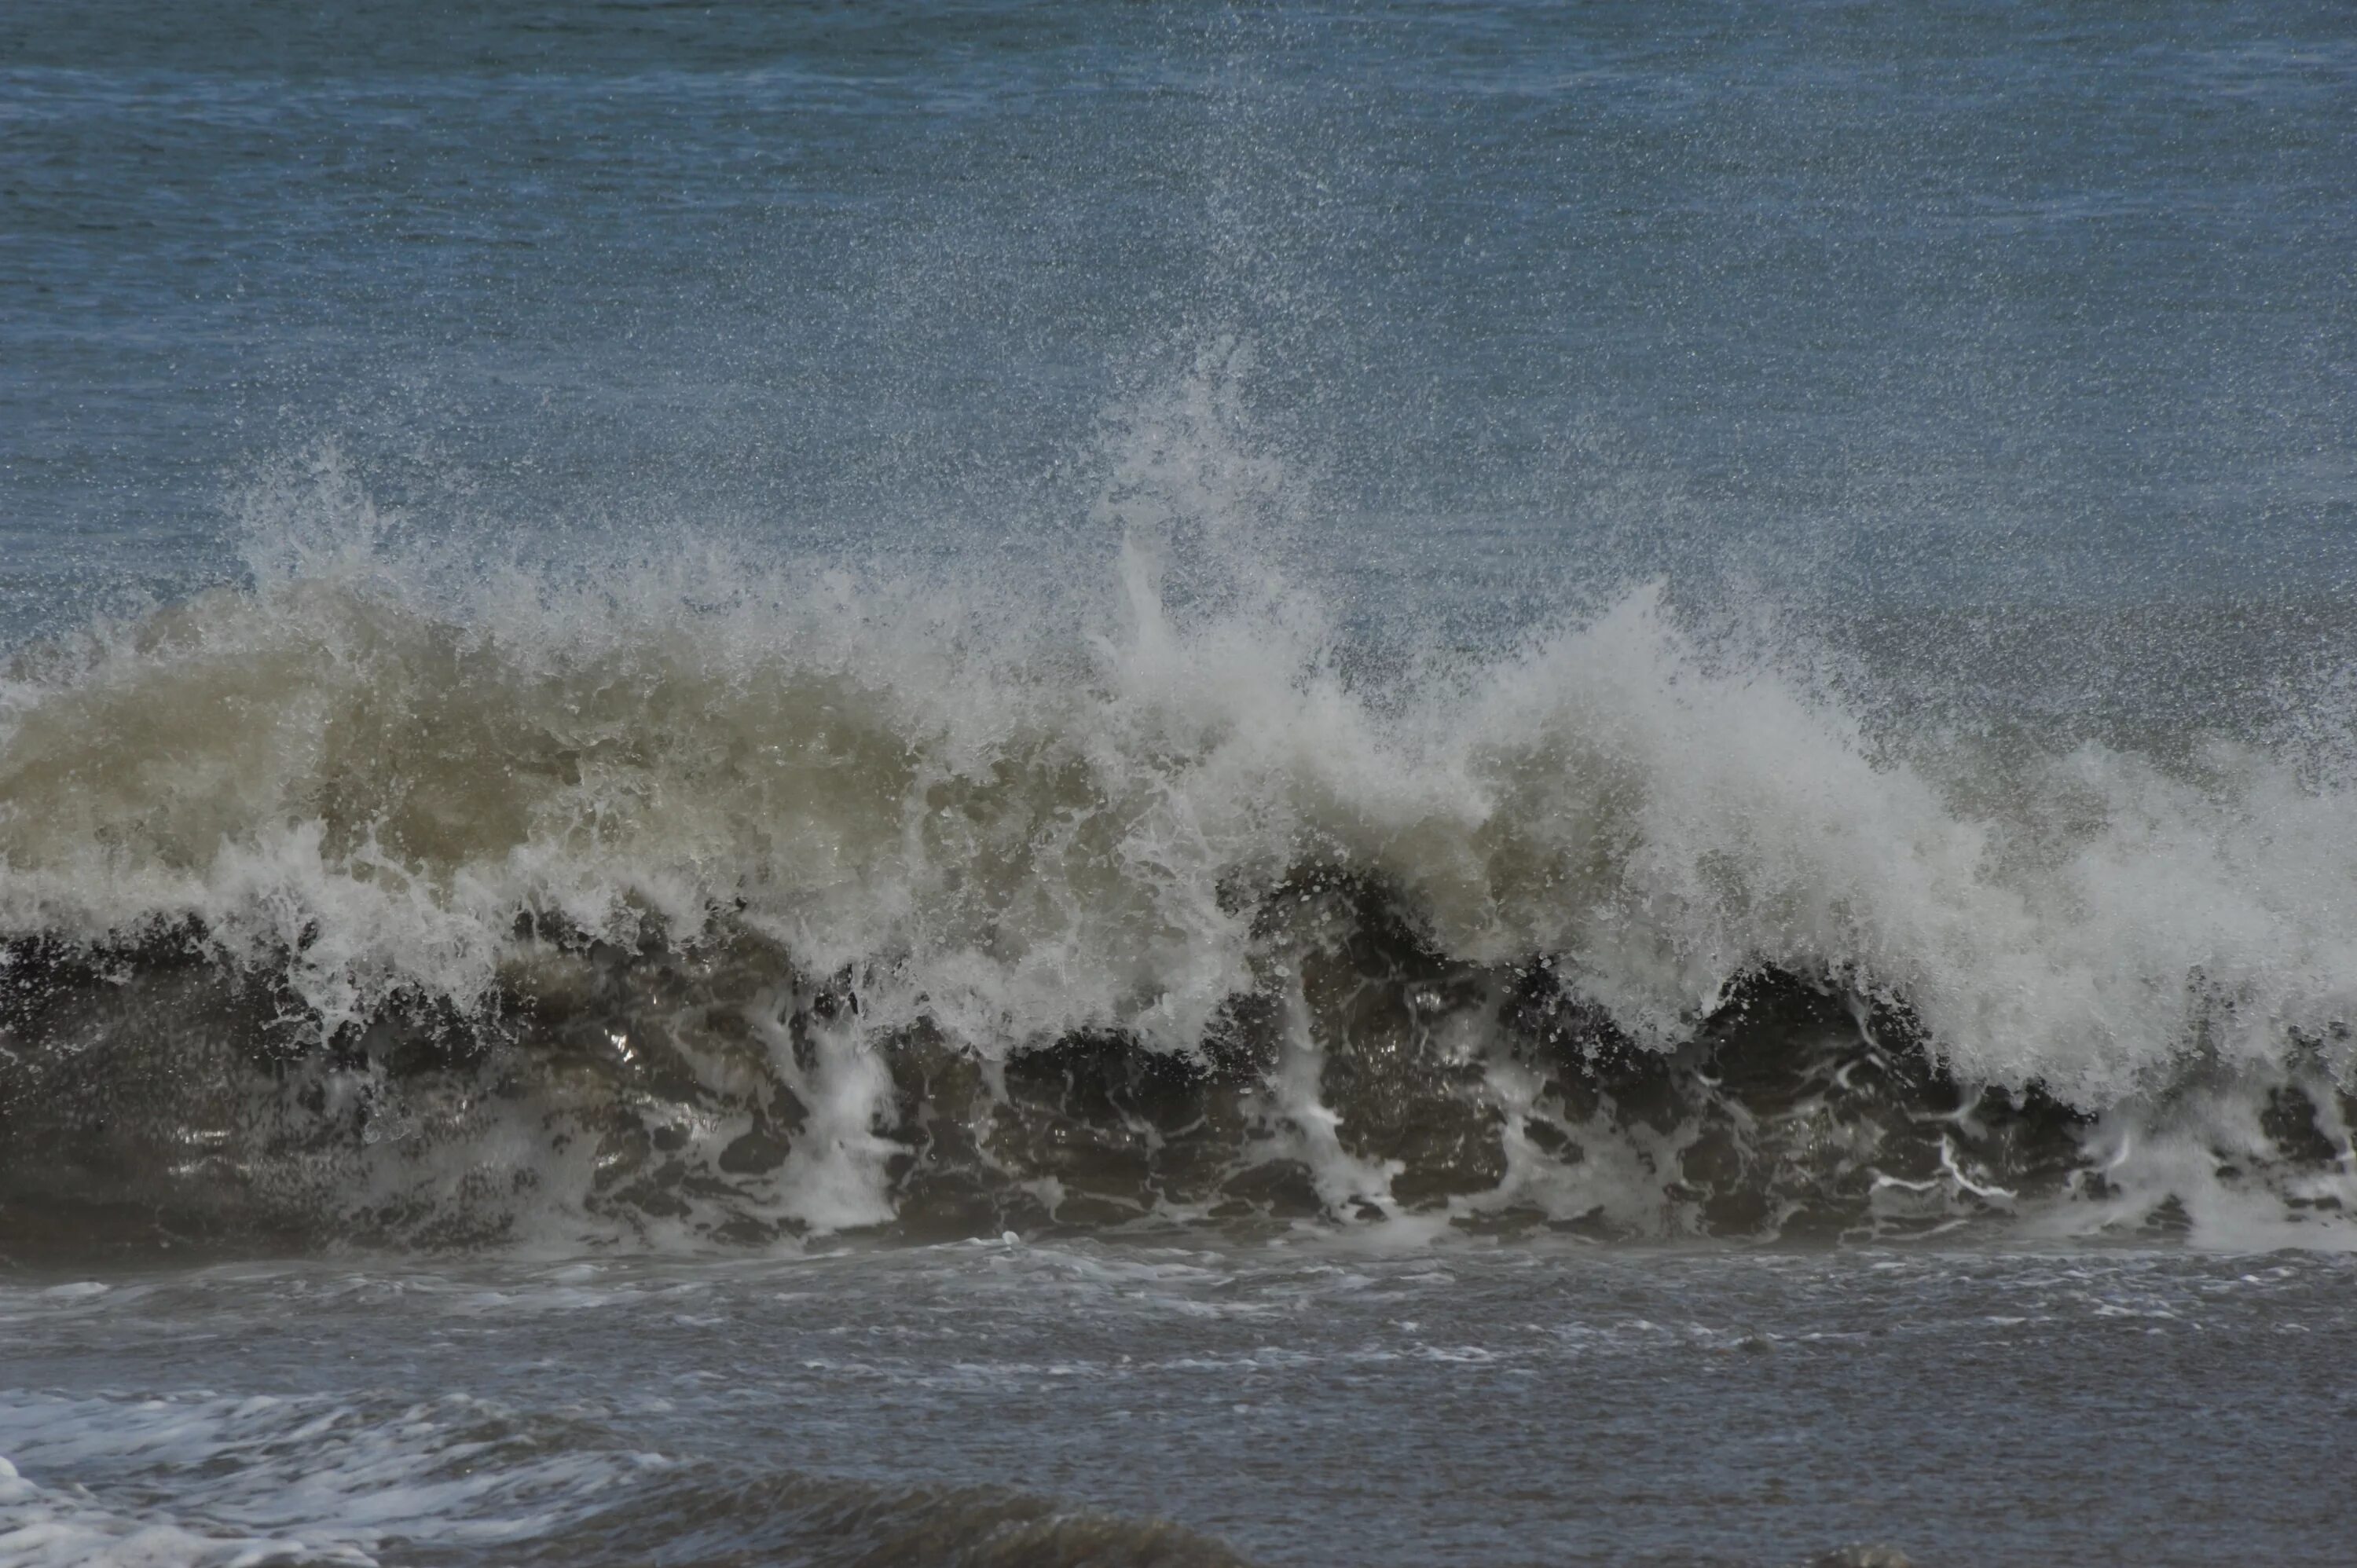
{"points": [[663, 891]]}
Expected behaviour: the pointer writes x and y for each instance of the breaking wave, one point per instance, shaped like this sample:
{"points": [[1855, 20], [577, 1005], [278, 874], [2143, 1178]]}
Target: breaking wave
{"points": [[696, 899]]}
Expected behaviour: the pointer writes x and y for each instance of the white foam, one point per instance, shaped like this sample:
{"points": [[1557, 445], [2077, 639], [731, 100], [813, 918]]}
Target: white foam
{"points": [[1015, 815], [264, 1480]]}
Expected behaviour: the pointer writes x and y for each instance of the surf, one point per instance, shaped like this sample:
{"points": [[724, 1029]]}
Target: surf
{"points": [[683, 897]]}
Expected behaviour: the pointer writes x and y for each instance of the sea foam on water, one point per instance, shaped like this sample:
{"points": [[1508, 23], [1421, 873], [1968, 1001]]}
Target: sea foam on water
{"points": [[413, 825]]}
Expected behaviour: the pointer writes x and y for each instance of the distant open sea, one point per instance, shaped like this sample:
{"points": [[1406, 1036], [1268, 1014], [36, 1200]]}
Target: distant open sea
{"points": [[1488, 784]]}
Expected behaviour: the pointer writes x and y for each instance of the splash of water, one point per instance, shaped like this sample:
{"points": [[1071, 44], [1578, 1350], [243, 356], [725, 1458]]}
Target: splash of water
{"points": [[737, 896]]}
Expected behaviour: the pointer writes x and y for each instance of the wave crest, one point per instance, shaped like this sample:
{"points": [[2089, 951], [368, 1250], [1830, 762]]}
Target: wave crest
{"points": [[409, 902]]}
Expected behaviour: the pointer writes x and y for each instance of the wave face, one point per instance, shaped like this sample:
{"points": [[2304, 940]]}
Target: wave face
{"points": [[699, 901]]}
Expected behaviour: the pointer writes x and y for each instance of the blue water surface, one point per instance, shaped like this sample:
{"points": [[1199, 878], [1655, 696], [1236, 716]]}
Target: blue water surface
{"points": [[1873, 304]]}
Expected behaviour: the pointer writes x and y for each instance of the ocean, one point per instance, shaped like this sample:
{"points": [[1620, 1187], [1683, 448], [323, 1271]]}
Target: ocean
{"points": [[1415, 783]]}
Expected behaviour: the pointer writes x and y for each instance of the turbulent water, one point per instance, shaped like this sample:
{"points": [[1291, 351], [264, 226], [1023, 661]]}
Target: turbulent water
{"points": [[1566, 746], [686, 900], [1313, 1404]]}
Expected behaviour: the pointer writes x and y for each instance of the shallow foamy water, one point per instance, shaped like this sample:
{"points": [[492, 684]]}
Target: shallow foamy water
{"points": [[1299, 1400]]}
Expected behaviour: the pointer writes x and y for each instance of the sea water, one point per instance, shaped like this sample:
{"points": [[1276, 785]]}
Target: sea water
{"points": [[1307, 784]]}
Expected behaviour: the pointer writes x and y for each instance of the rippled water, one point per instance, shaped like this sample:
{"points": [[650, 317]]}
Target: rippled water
{"points": [[1316, 1402]]}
